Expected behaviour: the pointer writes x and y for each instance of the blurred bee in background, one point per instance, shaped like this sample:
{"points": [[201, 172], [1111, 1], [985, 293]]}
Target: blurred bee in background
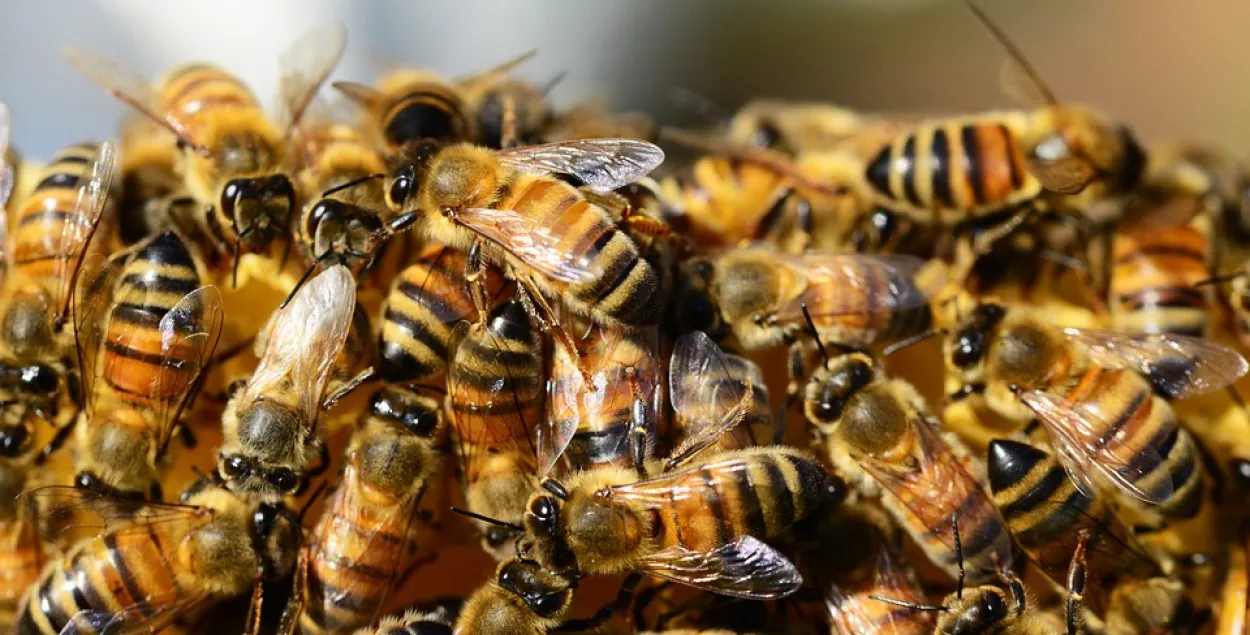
{"points": [[51, 237], [150, 179], [145, 332], [270, 424], [234, 159], [509, 111], [1046, 514], [495, 393], [426, 301], [503, 208], [144, 567], [365, 542], [1101, 395], [1234, 609], [593, 120], [521, 598], [887, 433]]}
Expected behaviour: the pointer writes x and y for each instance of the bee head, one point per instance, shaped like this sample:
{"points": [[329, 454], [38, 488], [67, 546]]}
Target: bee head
{"points": [[834, 384], [264, 457], [407, 167], [696, 308], [985, 609], [544, 538], [523, 599], [257, 208], [967, 345]]}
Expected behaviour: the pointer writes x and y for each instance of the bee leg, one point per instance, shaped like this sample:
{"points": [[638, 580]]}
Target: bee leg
{"points": [[508, 135], [347, 388], [475, 276], [534, 302], [254, 609], [156, 493], [57, 441], [1077, 574], [295, 606], [621, 604]]}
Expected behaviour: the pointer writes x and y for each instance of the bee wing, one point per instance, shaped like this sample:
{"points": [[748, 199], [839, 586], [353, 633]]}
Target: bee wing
{"points": [[938, 491], [1077, 430], [711, 391], [544, 248], [1178, 366], [304, 67], [189, 331], [1068, 175], [93, 295], [602, 164], [132, 90], [304, 339], [847, 614], [68, 514], [493, 74], [889, 279], [565, 390], [78, 228], [8, 179], [745, 568], [155, 612], [1113, 542]]}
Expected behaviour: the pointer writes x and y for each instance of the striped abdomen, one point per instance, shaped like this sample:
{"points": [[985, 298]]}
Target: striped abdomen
{"points": [[1045, 511], [724, 201], [1155, 452], [622, 396], [627, 289], [424, 109], [425, 303], [49, 211], [108, 574], [758, 492], [948, 171], [1154, 271], [883, 303], [132, 361], [196, 93]]}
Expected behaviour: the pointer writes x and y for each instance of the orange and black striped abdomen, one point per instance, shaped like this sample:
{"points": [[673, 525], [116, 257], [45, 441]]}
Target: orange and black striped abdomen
{"points": [[496, 384], [626, 288], [426, 301], [356, 553], [40, 222], [1045, 511], [108, 574], [161, 272], [725, 201], [757, 493], [969, 168], [197, 92], [425, 110], [1156, 453], [888, 304], [1154, 273]]}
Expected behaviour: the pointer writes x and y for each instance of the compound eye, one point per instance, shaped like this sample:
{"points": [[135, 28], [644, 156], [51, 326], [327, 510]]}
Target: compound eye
{"points": [[992, 608], [284, 479], [235, 467], [543, 508], [496, 536], [13, 440], [766, 136], [548, 605], [422, 423], [401, 188], [39, 379], [967, 349], [229, 194]]}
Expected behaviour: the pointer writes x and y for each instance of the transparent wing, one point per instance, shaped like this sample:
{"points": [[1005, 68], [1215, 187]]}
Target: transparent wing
{"points": [[1178, 366], [78, 228], [68, 514], [1115, 548], [565, 410], [849, 615], [1019, 86], [303, 340], [934, 486], [132, 90], [549, 250], [152, 614], [602, 164], [304, 67], [888, 280], [93, 295], [8, 179], [189, 331], [712, 392], [358, 94], [745, 568], [1078, 431]]}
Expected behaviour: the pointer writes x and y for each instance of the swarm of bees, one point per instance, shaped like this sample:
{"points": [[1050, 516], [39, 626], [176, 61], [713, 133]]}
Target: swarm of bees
{"points": [[289, 361]]}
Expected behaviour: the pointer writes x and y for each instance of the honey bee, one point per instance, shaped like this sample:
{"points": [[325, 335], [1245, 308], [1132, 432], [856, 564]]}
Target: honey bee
{"points": [[885, 428], [413, 622], [949, 171], [503, 209], [705, 382], [365, 541], [991, 609], [701, 525], [150, 181], [792, 127], [1234, 612], [521, 598], [594, 121], [508, 110], [408, 105], [426, 301], [269, 425], [234, 159], [144, 335], [52, 236], [140, 568], [1101, 395], [495, 392]]}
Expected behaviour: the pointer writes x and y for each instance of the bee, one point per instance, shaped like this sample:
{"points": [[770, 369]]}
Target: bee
{"points": [[413, 622], [991, 609], [144, 335], [1045, 514], [705, 382], [1234, 612], [408, 105], [149, 177], [269, 425], [888, 434], [949, 171], [594, 121], [607, 521], [51, 237], [495, 393], [366, 538], [426, 301], [792, 127], [140, 568], [503, 208], [1101, 395], [233, 158], [508, 110], [521, 598]]}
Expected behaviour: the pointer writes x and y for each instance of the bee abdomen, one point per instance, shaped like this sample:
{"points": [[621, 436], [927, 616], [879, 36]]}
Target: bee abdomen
{"points": [[432, 112], [426, 301], [50, 207], [1154, 276]]}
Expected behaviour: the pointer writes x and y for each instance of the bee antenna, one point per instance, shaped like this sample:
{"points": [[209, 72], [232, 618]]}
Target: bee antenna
{"points": [[556, 489], [553, 82], [1014, 51], [910, 605], [959, 556], [811, 324], [487, 519], [302, 279], [352, 183], [912, 341], [1220, 279], [427, 388], [309, 503]]}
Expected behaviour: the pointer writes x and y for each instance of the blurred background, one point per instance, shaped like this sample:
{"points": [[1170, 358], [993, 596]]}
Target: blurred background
{"points": [[1170, 69]]}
